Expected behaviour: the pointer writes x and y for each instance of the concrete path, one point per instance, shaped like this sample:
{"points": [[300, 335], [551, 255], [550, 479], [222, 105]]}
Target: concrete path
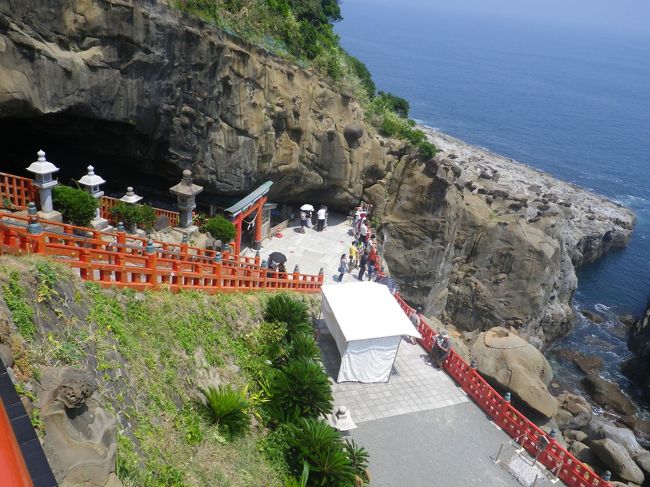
{"points": [[312, 250]]}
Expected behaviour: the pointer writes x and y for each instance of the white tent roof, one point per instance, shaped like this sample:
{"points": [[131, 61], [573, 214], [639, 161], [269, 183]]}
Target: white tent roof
{"points": [[366, 310]]}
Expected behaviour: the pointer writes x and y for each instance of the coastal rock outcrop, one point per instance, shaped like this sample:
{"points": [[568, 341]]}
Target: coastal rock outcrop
{"points": [[514, 364], [618, 459], [638, 367], [494, 251]]}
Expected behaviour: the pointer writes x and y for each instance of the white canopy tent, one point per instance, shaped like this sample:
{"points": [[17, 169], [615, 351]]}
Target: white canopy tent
{"points": [[367, 324]]}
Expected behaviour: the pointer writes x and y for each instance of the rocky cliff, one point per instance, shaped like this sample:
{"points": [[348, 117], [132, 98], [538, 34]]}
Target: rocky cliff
{"points": [[486, 241], [475, 238], [175, 93], [637, 368]]}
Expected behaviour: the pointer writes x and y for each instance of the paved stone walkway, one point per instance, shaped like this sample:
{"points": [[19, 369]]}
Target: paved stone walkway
{"points": [[312, 250], [413, 386]]}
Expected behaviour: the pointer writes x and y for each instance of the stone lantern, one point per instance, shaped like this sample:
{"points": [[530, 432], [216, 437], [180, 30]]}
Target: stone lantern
{"points": [[44, 181], [186, 193], [130, 197], [92, 182]]}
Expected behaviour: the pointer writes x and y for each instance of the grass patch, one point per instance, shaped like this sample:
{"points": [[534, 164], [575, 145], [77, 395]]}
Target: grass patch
{"points": [[22, 314]]}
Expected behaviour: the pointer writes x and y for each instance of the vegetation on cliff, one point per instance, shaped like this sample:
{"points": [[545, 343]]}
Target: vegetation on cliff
{"points": [[207, 390], [302, 30]]}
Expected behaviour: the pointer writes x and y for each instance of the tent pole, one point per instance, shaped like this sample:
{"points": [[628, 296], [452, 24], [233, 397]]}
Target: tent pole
{"points": [[394, 359]]}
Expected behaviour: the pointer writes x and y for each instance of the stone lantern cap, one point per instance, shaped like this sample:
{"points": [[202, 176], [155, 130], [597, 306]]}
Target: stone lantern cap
{"points": [[186, 189], [43, 169], [130, 196], [91, 179], [341, 419]]}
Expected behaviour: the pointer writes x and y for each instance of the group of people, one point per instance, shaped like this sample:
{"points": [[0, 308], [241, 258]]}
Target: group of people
{"points": [[364, 256], [306, 217], [360, 223]]}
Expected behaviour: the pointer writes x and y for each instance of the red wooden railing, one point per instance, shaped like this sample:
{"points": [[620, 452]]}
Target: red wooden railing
{"points": [[106, 203], [16, 192], [569, 469], [117, 260], [13, 471]]}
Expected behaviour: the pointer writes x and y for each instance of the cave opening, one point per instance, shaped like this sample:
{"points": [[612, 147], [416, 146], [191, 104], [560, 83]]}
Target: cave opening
{"points": [[120, 154]]}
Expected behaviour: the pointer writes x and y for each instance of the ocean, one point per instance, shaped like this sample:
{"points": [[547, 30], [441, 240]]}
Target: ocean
{"points": [[574, 102]]}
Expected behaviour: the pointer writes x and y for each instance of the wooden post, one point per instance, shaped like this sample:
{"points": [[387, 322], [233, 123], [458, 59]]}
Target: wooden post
{"points": [[296, 278], [152, 264], [238, 227]]}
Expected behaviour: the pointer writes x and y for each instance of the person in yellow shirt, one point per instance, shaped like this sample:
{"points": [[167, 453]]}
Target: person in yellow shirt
{"points": [[354, 254]]}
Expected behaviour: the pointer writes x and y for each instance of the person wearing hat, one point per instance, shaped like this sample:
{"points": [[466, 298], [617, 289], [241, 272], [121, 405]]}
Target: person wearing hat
{"points": [[440, 349]]}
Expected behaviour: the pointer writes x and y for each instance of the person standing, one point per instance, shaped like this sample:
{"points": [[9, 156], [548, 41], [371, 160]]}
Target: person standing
{"points": [[363, 231], [303, 220], [321, 218], [363, 261], [343, 266], [415, 319], [354, 256]]}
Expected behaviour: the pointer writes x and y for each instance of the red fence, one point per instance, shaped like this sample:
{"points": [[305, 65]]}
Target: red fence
{"points": [[16, 192], [13, 470], [117, 260], [106, 203], [570, 470]]}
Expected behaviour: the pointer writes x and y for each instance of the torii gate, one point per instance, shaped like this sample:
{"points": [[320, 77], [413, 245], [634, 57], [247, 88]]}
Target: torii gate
{"points": [[244, 207]]}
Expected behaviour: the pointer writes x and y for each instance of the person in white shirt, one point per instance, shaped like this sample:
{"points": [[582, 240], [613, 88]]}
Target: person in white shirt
{"points": [[321, 218], [364, 231]]}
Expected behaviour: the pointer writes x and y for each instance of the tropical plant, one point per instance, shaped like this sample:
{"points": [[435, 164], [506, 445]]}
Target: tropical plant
{"points": [[300, 386], [358, 456], [302, 481], [77, 206], [285, 309], [220, 228], [304, 346], [134, 215], [228, 408], [322, 448]]}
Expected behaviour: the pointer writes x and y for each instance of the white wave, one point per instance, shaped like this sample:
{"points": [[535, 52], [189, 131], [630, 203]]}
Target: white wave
{"points": [[603, 308]]}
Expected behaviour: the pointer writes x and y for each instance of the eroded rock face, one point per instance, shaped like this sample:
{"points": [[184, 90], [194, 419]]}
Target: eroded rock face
{"points": [[80, 436], [516, 365], [484, 241], [232, 113], [637, 367]]}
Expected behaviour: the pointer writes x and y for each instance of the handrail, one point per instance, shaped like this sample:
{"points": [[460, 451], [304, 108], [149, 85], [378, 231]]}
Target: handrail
{"points": [[13, 470], [572, 472], [107, 202], [18, 191], [110, 260]]}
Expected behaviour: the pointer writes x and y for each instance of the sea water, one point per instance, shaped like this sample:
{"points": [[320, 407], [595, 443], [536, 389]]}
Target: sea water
{"points": [[574, 102]]}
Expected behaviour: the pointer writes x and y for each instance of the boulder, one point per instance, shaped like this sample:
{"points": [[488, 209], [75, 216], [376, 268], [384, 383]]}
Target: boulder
{"points": [[598, 429], [607, 395], [617, 459], [589, 364], [583, 453], [574, 411], [574, 435], [80, 436], [643, 461], [507, 359], [591, 316], [352, 132]]}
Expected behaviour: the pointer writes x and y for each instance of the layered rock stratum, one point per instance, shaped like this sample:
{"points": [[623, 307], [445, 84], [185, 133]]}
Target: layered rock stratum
{"points": [[485, 241], [477, 239]]}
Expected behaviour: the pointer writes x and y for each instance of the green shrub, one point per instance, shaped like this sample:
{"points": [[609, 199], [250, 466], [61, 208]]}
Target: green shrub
{"points": [[301, 386], [228, 408], [323, 449], [220, 228], [22, 313], [302, 481], [394, 103], [285, 309], [304, 346], [131, 215], [77, 206], [358, 456]]}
